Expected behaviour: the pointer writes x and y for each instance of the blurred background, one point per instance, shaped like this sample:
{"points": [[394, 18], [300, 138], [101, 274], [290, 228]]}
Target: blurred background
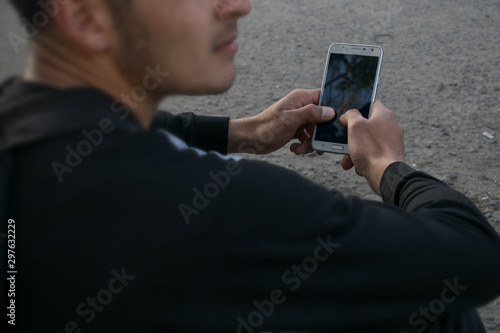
{"points": [[441, 77]]}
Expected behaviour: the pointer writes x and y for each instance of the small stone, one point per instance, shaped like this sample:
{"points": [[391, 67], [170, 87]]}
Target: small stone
{"points": [[494, 203], [453, 153], [452, 176], [488, 135]]}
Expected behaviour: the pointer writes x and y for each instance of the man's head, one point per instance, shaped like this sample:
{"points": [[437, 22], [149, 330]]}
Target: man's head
{"points": [[192, 40]]}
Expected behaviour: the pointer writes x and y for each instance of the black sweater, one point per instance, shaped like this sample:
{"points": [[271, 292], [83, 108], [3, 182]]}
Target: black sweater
{"points": [[119, 229]]}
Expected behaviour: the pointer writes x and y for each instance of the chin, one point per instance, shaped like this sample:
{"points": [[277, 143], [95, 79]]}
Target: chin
{"points": [[217, 82], [220, 83], [221, 88]]}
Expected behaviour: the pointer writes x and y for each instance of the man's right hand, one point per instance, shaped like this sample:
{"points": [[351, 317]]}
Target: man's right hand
{"points": [[374, 143]]}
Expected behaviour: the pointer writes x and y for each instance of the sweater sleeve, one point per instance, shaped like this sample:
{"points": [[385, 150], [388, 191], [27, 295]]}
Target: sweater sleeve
{"points": [[297, 257], [202, 132]]}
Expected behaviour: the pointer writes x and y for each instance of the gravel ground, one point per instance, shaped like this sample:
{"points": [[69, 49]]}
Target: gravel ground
{"points": [[440, 76]]}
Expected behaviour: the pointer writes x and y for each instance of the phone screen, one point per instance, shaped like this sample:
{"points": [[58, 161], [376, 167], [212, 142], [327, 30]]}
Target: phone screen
{"points": [[349, 85]]}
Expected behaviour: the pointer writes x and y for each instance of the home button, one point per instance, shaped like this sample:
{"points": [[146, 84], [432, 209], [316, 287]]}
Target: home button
{"points": [[338, 147]]}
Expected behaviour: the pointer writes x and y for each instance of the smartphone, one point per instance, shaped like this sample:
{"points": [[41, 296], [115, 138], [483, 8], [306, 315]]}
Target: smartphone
{"points": [[350, 82]]}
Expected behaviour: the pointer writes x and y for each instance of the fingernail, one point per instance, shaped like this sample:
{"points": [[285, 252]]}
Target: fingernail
{"points": [[327, 112]]}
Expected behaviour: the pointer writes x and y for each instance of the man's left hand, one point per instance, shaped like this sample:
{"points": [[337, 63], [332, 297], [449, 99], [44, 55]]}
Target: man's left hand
{"points": [[293, 117]]}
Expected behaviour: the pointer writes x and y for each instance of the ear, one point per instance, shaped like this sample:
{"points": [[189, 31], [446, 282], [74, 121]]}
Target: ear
{"points": [[85, 22]]}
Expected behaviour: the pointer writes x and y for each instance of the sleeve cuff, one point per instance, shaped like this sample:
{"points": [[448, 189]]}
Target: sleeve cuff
{"points": [[202, 132], [212, 133], [393, 180]]}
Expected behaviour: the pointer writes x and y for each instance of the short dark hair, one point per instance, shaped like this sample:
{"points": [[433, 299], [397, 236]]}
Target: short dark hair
{"points": [[29, 8], [26, 8]]}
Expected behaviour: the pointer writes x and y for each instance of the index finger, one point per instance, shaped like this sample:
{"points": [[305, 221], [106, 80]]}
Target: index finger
{"points": [[307, 96]]}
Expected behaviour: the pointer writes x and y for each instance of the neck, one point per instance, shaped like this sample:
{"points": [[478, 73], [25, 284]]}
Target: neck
{"points": [[64, 69]]}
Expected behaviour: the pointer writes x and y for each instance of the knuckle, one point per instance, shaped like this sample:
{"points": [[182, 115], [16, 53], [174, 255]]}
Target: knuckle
{"points": [[354, 115], [311, 108], [356, 123], [349, 113], [390, 114], [293, 99], [296, 92], [377, 105]]}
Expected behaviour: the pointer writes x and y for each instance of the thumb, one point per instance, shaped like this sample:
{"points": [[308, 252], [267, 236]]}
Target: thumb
{"points": [[313, 114]]}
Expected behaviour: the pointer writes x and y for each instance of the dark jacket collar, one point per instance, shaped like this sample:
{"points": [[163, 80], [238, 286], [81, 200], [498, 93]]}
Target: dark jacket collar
{"points": [[31, 112]]}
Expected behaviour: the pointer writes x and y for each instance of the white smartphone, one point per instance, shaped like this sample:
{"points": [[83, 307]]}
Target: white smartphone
{"points": [[350, 82]]}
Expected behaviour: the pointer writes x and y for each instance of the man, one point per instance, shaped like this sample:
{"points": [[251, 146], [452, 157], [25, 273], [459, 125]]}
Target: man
{"points": [[125, 223]]}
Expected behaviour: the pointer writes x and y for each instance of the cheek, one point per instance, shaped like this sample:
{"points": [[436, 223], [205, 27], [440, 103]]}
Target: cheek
{"points": [[189, 59], [187, 50], [182, 38]]}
